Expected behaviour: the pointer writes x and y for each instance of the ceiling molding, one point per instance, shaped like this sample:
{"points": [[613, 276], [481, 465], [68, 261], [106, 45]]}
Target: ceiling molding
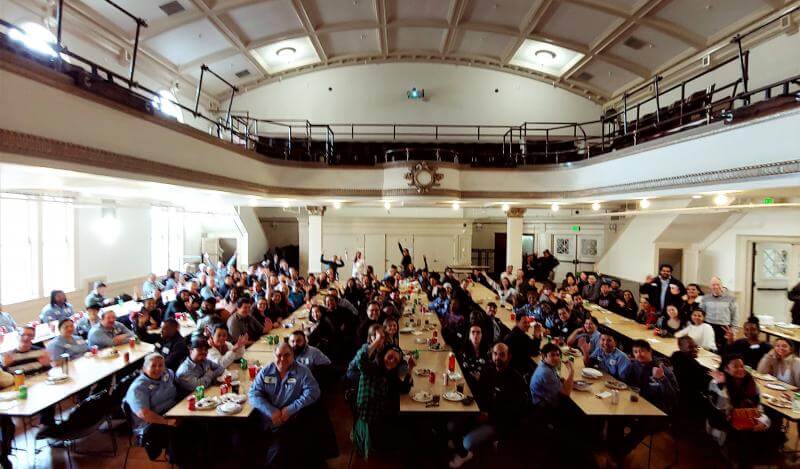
{"points": [[305, 20], [532, 19], [383, 31], [454, 15]]}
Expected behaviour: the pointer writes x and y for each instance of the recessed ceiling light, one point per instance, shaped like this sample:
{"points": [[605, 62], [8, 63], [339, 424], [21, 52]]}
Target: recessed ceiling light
{"points": [[596, 206], [285, 204], [337, 205], [506, 207], [644, 203], [697, 196], [554, 207], [387, 205], [286, 52], [721, 200], [545, 56], [456, 205]]}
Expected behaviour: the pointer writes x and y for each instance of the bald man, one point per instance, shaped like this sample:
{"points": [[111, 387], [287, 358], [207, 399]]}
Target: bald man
{"points": [[721, 311], [504, 400]]}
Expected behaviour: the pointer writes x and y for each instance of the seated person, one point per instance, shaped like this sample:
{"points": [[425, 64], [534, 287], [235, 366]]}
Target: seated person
{"points": [[151, 395], [151, 286], [522, 347], [503, 399], [607, 299], [702, 333], [210, 290], [529, 308], [178, 305], [626, 305], [29, 357], [279, 394], [141, 325], [607, 357], [243, 323], [392, 330], [97, 295], [172, 345], [588, 334], [85, 323], [57, 309], [647, 312], [209, 314], [108, 332], [373, 317], [655, 379], [197, 370], [546, 385], [321, 332], [781, 362], [669, 324], [375, 332], [692, 378], [474, 355], [562, 326], [733, 390], [750, 347], [149, 305], [494, 329], [221, 351], [305, 354], [260, 310], [378, 399], [67, 342]]}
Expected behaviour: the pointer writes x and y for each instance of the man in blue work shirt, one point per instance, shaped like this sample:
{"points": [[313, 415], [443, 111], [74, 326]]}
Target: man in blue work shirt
{"points": [[151, 395], [546, 384], [278, 395], [607, 357], [197, 369], [108, 332]]}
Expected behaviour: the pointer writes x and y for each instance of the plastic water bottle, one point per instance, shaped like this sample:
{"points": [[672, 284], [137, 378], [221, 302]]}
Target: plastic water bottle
{"points": [[796, 403]]}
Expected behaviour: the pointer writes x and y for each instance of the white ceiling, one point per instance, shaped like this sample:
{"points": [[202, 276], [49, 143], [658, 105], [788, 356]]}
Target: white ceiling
{"points": [[234, 35]]}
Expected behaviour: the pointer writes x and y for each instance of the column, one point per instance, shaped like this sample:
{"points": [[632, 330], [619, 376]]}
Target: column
{"points": [[514, 237], [315, 214]]}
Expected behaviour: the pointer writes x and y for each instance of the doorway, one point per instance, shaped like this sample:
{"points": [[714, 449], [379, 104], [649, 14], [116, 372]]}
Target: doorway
{"points": [[774, 270], [576, 252], [500, 240], [673, 257]]}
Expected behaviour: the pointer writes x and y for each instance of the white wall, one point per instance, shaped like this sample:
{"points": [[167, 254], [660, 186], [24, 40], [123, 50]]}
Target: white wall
{"points": [[377, 94], [281, 232], [257, 242], [119, 258]]}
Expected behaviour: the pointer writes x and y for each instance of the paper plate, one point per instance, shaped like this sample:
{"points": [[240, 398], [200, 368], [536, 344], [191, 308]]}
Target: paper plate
{"points": [[453, 396], [8, 395], [455, 375], [229, 408], [236, 398], [581, 385], [422, 397], [592, 373], [778, 386], [206, 403], [765, 377], [614, 384], [406, 330]]}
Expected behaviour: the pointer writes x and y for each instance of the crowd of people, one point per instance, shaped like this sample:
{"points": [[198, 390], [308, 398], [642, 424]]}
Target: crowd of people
{"points": [[351, 343]]}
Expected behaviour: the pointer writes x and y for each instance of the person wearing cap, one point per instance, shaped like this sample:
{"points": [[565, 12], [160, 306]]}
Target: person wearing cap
{"points": [[57, 309], [279, 394], [172, 346], [97, 295], [85, 323], [108, 332], [67, 342], [197, 369]]}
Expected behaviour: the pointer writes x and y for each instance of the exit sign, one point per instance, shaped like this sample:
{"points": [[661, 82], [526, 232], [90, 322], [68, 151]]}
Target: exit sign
{"points": [[768, 201], [575, 227]]}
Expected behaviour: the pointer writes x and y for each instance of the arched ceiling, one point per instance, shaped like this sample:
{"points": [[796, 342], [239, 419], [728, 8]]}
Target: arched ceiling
{"points": [[592, 47]]}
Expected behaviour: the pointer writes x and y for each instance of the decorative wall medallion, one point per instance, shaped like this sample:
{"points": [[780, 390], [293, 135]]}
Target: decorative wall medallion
{"points": [[423, 177]]}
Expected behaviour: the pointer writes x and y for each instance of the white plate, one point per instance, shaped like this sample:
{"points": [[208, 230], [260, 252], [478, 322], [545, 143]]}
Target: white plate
{"points": [[229, 408], [236, 398], [416, 332], [582, 386], [8, 395], [453, 396], [765, 377], [420, 340], [592, 373], [422, 397], [406, 330], [206, 403], [778, 386]]}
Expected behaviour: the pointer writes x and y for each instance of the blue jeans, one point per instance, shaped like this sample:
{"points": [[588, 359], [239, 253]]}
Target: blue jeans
{"points": [[480, 435]]}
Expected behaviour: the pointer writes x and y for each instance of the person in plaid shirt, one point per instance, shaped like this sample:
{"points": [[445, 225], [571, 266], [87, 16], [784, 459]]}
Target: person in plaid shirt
{"points": [[379, 389]]}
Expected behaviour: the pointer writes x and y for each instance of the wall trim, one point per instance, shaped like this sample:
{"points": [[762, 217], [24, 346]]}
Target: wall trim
{"points": [[64, 152]]}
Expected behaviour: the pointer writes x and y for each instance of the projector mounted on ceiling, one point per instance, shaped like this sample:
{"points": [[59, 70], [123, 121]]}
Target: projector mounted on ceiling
{"points": [[416, 94]]}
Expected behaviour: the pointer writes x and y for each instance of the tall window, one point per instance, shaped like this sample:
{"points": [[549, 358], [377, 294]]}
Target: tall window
{"points": [[166, 239], [36, 38], [37, 249]]}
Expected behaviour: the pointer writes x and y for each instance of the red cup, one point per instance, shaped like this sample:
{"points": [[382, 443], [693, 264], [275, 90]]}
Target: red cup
{"points": [[432, 378], [252, 369], [95, 349], [512, 316], [127, 357], [229, 380], [132, 343], [192, 401]]}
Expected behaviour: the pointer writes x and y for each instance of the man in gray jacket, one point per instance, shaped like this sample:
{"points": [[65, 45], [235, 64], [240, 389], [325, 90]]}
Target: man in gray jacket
{"points": [[721, 311]]}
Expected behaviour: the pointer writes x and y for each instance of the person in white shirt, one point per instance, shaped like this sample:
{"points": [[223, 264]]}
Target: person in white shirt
{"points": [[700, 331], [509, 274], [359, 265], [223, 352]]}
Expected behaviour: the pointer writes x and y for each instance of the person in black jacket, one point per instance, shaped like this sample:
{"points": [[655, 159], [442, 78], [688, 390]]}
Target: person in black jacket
{"points": [[504, 401], [406, 257], [750, 347], [794, 297], [657, 288], [332, 264], [522, 346], [474, 355], [692, 379], [172, 345], [178, 305]]}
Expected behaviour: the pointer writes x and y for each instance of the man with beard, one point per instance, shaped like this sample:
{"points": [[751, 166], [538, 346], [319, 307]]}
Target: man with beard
{"points": [[311, 357]]}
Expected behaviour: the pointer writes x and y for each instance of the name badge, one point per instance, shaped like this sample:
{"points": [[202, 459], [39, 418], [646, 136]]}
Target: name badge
{"points": [[270, 380], [151, 386], [165, 350], [612, 362], [755, 346], [67, 345], [291, 381]]}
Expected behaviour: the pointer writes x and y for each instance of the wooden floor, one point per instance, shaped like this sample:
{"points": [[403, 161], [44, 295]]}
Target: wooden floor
{"points": [[694, 451]]}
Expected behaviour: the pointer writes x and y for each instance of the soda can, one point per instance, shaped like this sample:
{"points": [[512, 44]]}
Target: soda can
{"points": [[127, 357], [223, 389], [95, 349], [23, 392], [243, 363], [200, 392], [192, 401], [228, 379]]}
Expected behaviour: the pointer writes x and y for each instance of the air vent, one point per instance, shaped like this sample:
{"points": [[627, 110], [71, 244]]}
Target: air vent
{"points": [[171, 8], [634, 43], [242, 73], [584, 76]]}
